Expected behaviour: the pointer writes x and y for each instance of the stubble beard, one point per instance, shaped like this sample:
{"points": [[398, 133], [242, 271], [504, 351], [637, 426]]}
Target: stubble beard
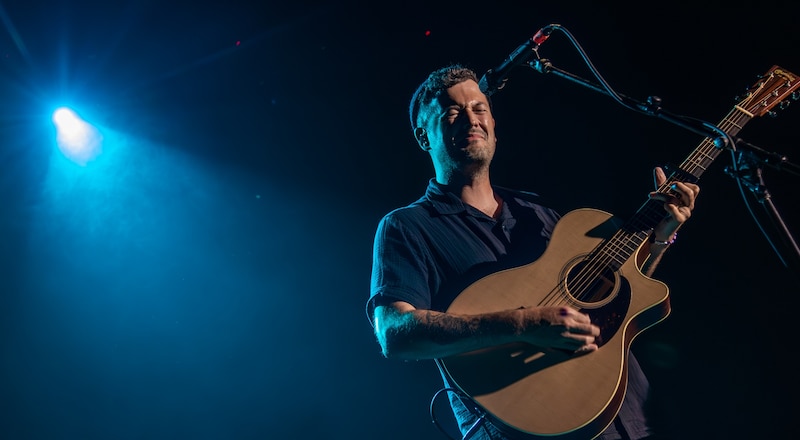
{"points": [[477, 157], [479, 152]]}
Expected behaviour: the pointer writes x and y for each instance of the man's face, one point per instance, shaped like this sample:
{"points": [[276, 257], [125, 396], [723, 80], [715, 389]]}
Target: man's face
{"points": [[461, 126]]}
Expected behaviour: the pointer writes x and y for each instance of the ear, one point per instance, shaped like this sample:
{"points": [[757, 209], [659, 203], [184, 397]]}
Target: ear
{"points": [[422, 138]]}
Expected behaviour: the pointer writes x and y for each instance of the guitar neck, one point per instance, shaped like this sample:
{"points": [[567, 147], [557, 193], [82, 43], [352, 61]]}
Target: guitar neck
{"points": [[701, 158]]}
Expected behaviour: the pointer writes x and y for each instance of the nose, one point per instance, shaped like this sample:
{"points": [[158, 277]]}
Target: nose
{"points": [[472, 117]]}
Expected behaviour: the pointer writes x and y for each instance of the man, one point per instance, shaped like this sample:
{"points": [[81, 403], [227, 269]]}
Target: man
{"points": [[463, 228]]}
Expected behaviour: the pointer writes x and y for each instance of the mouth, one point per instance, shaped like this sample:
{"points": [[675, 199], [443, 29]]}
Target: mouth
{"points": [[472, 135], [476, 134]]}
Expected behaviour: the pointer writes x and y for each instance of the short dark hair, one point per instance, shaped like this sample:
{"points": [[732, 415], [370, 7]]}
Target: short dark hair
{"points": [[437, 82]]}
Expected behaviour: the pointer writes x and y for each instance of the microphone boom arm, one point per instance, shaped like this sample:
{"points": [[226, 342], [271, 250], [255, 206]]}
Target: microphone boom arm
{"points": [[652, 107]]}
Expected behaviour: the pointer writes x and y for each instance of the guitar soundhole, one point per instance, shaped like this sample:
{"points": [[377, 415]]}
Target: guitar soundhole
{"points": [[590, 284], [602, 294]]}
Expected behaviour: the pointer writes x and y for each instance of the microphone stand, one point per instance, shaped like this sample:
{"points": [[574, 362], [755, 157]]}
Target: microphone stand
{"points": [[750, 156], [748, 171]]}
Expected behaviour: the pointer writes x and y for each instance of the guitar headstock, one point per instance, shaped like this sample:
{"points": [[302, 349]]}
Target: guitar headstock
{"points": [[774, 88]]}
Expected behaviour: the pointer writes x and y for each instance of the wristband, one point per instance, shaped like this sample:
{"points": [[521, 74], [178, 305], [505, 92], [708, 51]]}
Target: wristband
{"points": [[664, 243]]}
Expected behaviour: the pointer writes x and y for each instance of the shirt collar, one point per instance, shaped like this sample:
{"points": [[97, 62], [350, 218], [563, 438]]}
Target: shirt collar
{"points": [[446, 202]]}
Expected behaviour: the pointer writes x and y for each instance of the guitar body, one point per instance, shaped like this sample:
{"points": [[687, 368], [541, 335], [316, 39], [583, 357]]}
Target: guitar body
{"points": [[551, 393]]}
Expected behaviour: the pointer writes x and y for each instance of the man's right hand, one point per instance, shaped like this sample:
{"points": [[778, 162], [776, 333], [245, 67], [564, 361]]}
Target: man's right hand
{"points": [[559, 327]]}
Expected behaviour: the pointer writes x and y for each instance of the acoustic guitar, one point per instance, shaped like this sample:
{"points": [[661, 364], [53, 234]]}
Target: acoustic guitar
{"points": [[590, 264]]}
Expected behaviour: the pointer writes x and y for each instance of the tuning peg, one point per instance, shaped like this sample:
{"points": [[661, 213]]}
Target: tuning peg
{"points": [[785, 103], [745, 95], [795, 95]]}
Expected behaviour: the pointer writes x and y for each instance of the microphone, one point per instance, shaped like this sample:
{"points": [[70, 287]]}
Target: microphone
{"points": [[495, 79]]}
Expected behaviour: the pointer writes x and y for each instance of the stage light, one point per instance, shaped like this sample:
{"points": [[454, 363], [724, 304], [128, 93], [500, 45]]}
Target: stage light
{"points": [[78, 140]]}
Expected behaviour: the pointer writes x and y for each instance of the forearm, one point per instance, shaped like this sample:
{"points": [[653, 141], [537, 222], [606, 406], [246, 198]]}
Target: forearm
{"points": [[655, 251], [427, 334]]}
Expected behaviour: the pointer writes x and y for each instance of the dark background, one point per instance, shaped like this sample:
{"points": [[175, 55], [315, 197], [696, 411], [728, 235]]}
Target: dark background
{"points": [[205, 276]]}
